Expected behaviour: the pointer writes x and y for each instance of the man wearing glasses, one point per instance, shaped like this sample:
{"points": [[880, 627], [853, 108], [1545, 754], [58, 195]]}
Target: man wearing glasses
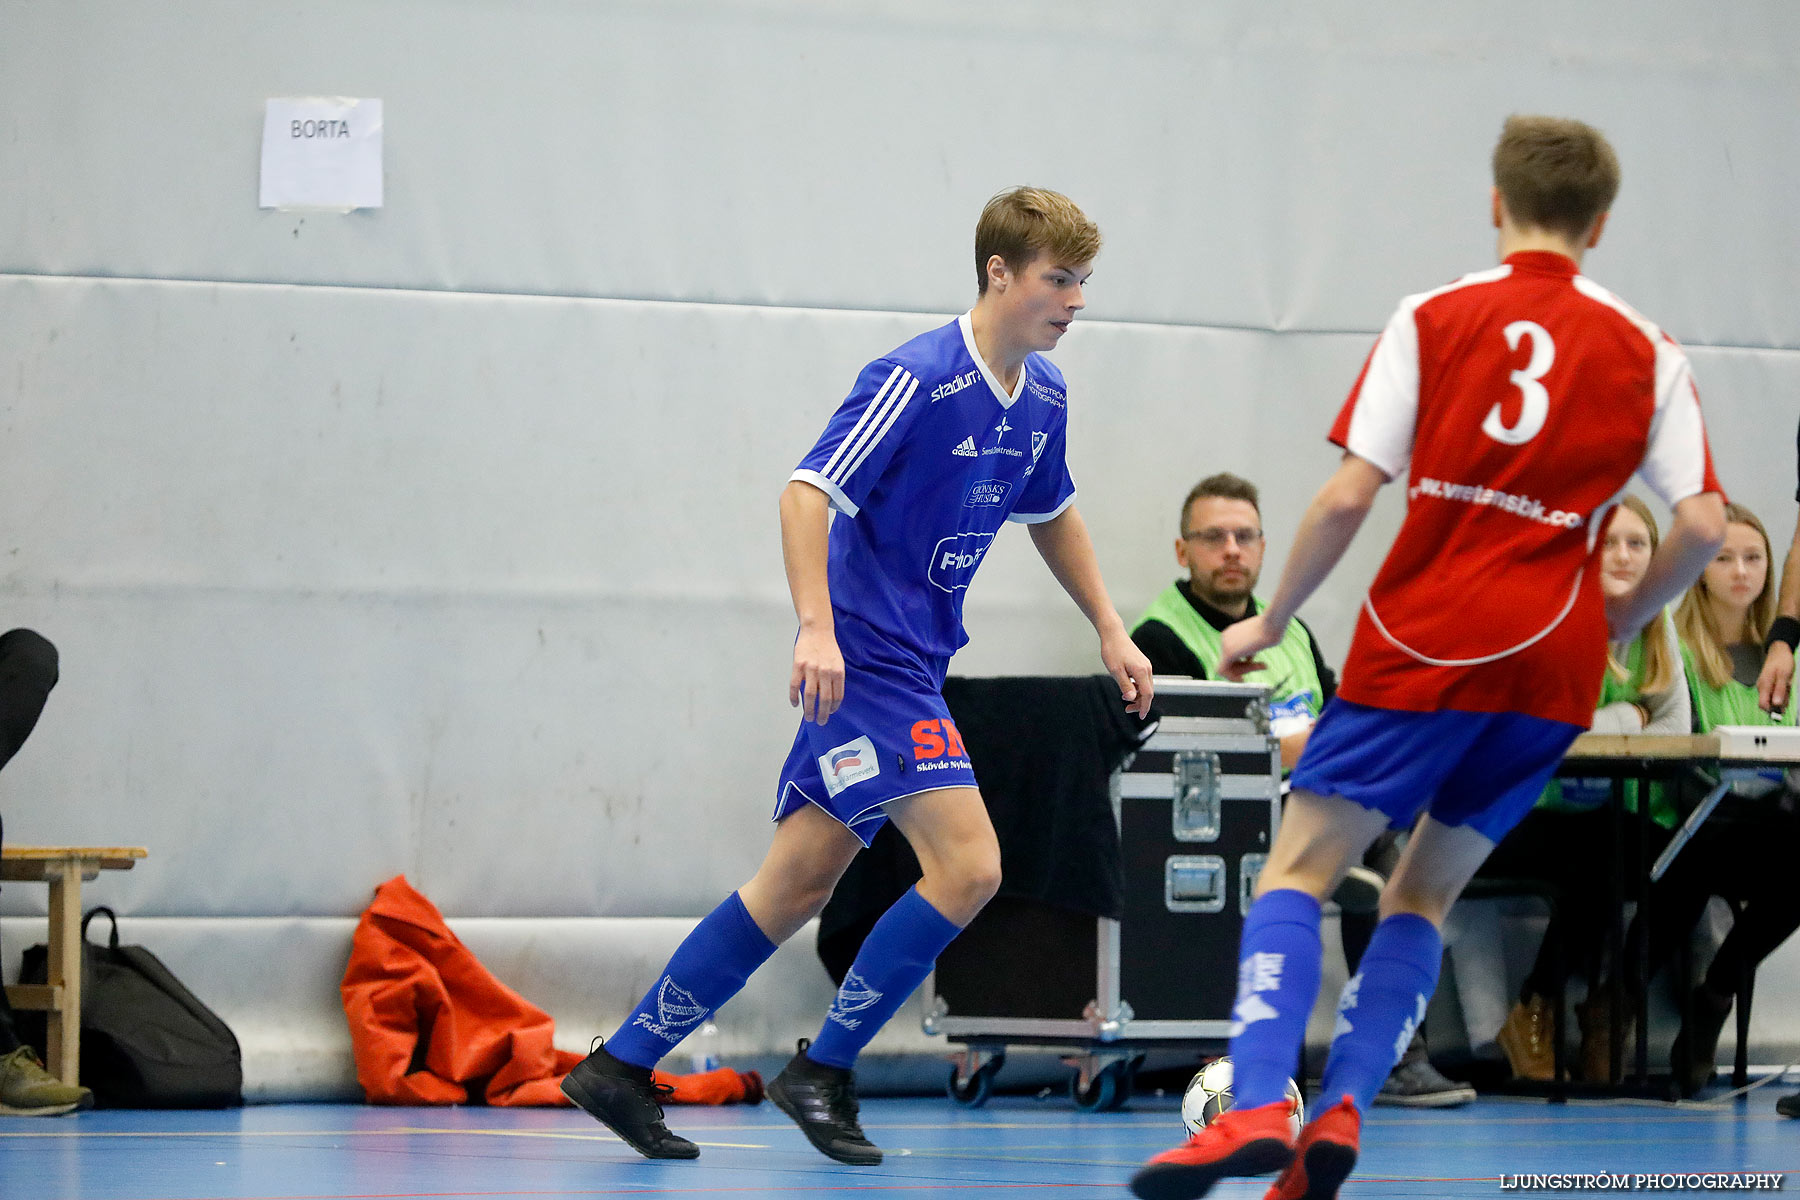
{"points": [[1221, 546]]}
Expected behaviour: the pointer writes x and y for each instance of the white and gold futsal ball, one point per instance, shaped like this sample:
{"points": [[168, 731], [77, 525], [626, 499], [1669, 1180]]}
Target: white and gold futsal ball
{"points": [[1209, 1094]]}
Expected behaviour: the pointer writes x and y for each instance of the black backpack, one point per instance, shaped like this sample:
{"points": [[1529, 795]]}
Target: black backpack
{"points": [[146, 1041]]}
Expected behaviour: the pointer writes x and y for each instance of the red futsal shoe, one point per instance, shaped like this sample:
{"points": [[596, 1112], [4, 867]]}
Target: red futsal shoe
{"points": [[1324, 1157], [1240, 1141]]}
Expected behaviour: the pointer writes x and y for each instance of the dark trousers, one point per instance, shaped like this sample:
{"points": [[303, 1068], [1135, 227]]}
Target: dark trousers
{"points": [[28, 671], [1573, 852], [1744, 852]]}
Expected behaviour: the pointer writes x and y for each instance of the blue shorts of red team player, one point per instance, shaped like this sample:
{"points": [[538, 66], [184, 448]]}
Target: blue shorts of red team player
{"points": [[1482, 770], [892, 737]]}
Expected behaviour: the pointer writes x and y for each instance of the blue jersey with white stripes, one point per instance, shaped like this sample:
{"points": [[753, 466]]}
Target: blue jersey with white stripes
{"points": [[923, 461]]}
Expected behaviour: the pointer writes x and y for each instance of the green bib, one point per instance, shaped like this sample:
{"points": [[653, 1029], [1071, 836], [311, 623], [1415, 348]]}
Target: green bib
{"points": [[1290, 672], [1733, 704], [1580, 795]]}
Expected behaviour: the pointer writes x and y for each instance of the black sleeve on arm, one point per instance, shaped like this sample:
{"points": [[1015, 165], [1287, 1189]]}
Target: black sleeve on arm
{"points": [[1168, 654], [1327, 679]]}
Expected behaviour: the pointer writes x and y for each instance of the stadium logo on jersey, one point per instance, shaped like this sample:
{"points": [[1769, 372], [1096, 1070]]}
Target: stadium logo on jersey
{"points": [[966, 447], [950, 388], [676, 1009], [989, 493], [954, 559], [1046, 393], [850, 763]]}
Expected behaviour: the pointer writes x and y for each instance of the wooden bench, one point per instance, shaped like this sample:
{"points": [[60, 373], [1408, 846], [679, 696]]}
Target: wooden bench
{"points": [[63, 868]]}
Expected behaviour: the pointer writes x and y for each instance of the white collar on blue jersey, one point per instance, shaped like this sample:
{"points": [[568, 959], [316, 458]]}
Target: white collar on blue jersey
{"points": [[993, 381]]}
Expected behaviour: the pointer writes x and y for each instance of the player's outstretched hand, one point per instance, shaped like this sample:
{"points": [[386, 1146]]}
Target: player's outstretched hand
{"points": [[816, 687], [1130, 670], [1776, 678], [1240, 644]]}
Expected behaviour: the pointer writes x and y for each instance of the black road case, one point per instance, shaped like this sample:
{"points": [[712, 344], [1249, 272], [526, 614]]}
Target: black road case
{"points": [[1197, 808]]}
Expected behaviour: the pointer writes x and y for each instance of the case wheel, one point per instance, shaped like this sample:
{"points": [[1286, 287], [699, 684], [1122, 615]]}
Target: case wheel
{"points": [[972, 1089], [1108, 1090]]}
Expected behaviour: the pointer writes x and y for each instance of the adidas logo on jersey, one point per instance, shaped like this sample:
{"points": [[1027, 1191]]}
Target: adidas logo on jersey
{"points": [[966, 448]]}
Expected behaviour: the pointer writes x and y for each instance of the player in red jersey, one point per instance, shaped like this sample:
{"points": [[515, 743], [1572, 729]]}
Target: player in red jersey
{"points": [[1517, 402]]}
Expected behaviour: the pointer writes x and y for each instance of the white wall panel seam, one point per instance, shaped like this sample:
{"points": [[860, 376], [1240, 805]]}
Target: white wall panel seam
{"points": [[663, 301]]}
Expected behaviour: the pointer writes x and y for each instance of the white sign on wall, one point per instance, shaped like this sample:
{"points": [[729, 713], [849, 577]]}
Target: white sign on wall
{"points": [[321, 152]]}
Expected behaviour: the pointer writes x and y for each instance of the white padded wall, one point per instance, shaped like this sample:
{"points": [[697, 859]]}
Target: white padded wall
{"points": [[1296, 167], [441, 538]]}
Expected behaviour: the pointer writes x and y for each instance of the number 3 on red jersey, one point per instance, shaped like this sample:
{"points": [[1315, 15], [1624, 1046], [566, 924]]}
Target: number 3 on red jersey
{"points": [[1536, 406]]}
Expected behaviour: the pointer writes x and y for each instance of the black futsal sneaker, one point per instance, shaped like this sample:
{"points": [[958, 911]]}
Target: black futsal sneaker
{"points": [[625, 1099], [822, 1101]]}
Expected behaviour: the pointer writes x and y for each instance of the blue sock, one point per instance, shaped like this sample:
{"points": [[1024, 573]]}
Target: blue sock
{"points": [[894, 960], [708, 968], [1278, 981], [1380, 1008]]}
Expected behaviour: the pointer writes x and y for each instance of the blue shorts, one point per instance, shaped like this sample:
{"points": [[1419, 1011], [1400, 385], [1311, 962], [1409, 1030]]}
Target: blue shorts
{"points": [[892, 737], [1482, 770]]}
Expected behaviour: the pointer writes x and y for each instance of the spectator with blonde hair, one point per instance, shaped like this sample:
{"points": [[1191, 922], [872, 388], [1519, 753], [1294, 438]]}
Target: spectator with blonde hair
{"points": [[1745, 850], [1568, 836]]}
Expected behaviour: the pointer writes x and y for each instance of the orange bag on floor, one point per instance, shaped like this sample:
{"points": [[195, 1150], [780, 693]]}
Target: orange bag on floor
{"points": [[427, 1020]]}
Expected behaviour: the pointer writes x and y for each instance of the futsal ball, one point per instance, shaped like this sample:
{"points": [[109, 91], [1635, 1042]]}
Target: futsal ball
{"points": [[1209, 1094]]}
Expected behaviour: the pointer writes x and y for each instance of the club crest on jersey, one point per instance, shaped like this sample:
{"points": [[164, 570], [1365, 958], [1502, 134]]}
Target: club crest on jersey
{"points": [[676, 1010], [848, 764], [954, 559]]}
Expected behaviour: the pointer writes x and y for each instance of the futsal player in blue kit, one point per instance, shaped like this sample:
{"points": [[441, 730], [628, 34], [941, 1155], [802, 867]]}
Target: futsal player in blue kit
{"points": [[940, 442]]}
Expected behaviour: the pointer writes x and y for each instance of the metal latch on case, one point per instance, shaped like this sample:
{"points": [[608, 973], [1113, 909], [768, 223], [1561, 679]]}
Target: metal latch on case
{"points": [[1194, 883], [1195, 814], [1250, 869]]}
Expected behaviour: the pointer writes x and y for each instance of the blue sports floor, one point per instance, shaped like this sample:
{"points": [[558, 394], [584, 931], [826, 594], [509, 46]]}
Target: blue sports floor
{"points": [[1015, 1147]]}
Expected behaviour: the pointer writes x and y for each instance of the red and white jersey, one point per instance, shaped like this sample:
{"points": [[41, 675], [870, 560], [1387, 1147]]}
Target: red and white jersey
{"points": [[1518, 402]]}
